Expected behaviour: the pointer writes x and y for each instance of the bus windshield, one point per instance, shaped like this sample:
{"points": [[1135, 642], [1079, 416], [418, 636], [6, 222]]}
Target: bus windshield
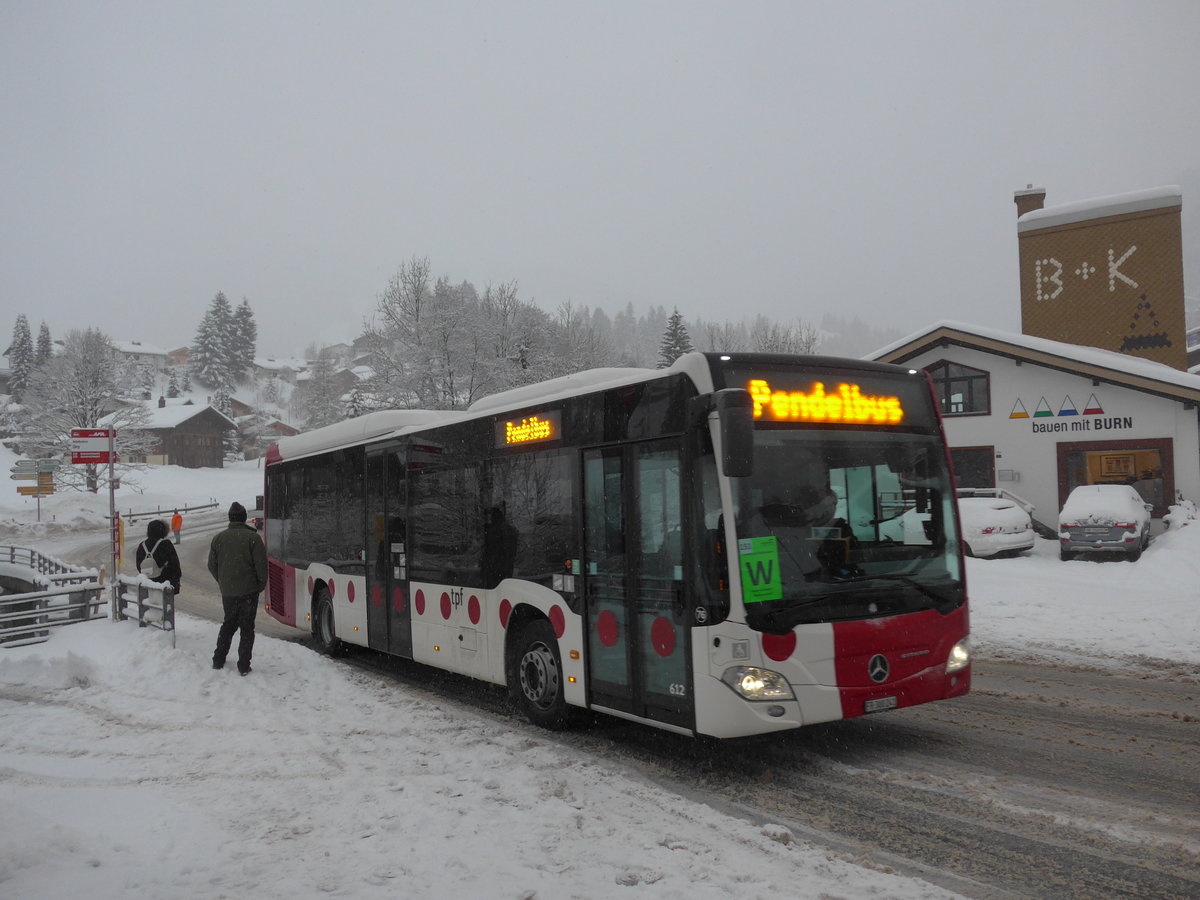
{"points": [[839, 524]]}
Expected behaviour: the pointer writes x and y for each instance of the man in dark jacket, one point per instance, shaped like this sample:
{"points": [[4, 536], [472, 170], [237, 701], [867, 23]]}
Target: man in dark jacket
{"points": [[237, 559]]}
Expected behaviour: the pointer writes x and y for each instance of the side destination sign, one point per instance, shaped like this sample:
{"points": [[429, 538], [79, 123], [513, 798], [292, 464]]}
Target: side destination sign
{"points": [[538, 428]]}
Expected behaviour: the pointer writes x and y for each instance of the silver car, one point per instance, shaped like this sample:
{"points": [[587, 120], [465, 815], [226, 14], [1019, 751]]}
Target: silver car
{"points": [[1106, 518]]}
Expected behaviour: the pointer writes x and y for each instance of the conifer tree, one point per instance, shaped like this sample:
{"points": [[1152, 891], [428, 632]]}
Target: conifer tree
{"points": [[45, 348], [211, 347], [172, 386], [20, 358], [231, 443], [243, 340], [675, 341]]}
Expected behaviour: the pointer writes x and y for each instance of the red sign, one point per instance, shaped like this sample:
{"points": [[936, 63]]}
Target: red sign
{"points": [[90, 445]]}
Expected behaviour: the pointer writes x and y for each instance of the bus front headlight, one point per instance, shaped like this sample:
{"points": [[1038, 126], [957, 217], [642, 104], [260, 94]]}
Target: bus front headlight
{"points": [[754, 683], [960, 656]]}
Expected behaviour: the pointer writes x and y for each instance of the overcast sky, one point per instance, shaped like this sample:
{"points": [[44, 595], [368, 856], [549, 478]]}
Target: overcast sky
{"points": [[785, 158]]}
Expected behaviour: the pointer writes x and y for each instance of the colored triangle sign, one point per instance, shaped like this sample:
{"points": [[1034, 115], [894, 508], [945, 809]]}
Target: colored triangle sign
{"points": [[1043, 410], [1018, 411], [1093, 407], [1068, 408]]}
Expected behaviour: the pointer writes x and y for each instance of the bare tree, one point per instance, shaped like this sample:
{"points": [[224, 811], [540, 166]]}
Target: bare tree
{"points": [[767, 336], [723, 337], [79, 388]]}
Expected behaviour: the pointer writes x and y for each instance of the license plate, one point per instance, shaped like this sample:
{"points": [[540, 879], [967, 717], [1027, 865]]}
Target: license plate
{"points": [[1095, 531], [879, 704]]}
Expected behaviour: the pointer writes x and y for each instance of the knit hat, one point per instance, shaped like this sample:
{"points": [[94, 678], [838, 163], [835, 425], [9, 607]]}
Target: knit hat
{"points": [[237, 512]]}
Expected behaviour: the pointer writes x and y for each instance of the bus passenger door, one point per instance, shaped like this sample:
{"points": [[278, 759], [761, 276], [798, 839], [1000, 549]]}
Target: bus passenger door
{"points": [[389, 622], [638, 636]]}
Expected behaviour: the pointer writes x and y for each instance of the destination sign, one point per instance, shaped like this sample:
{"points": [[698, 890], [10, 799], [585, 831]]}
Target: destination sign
{"points": [[533, 429], [844, 403]]}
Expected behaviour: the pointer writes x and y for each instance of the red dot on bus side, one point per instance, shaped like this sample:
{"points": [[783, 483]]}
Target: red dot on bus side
{"points": [[607, 628], [473, 609], [779, 646], [350, 591], [332, 589], [310, 585], [662, 636], [376, 596], [398, 599], [558, 621], [419, 602], [505, 612], [445, 606]]}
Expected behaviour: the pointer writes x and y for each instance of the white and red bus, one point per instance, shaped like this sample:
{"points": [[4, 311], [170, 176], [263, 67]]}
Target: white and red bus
{"points": [[737, 544]]}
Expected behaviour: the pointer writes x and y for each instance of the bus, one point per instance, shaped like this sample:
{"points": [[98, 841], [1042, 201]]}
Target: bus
{"points": [[735, 545]]}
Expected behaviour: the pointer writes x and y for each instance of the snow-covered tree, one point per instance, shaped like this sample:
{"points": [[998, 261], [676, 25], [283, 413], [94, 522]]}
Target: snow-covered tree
{"points": [[45, 347], [320, 399], [79, 388], [230, 441], [173, 385], [211, 347], [20, 358], [243, 341], [675, 341], [439, 346], [356, 403]]}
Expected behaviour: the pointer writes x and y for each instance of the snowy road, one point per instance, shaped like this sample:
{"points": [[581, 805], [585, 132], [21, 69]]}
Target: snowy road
{"points": [[1047, 781]]}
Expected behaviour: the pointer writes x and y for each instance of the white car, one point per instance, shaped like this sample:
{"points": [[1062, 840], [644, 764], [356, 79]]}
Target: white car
{"points": [[1106, 518], [994, 526]]}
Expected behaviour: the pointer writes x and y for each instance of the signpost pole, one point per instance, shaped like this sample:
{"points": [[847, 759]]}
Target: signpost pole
{"points": [[112, 521]]}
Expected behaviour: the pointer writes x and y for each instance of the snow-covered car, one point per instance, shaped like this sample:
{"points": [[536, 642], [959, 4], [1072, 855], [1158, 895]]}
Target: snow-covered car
{"points": [[994, 526], [1107, 518]]}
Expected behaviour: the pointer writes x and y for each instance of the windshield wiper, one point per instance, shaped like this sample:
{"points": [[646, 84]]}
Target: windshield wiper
{"points": [[944, 602], [781, 621]]}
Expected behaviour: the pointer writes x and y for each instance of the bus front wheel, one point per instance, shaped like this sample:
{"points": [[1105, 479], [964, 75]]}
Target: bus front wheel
{"points": [[324, 634], [536, 679]]}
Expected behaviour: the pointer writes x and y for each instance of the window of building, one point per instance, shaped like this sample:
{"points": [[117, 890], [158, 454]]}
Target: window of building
{"points": [[961, 390], [974, 467], [1146, 464]]}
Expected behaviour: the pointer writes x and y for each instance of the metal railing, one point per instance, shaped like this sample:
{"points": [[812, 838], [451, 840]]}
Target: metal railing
{"points": [[1002, 493], [153, 600], [66, 594], [69, 594], [159, 513], [39, 562]]}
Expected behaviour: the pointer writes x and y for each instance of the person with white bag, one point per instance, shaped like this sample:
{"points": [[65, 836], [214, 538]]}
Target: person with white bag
{"points": [[156, 557]]}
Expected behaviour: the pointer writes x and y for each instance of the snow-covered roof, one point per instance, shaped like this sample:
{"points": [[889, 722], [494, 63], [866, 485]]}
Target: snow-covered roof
{"points": [[278, 363], [1109, 364], [175, 414], [1098, 207], [138, 347]]}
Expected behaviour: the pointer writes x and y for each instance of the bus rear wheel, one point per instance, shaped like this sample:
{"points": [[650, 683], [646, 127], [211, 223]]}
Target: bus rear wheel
{"points": [[324, 633], [536, 677]]}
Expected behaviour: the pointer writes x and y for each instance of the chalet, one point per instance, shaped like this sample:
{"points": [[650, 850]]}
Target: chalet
{"points": [[190, 436], [143, 354]]}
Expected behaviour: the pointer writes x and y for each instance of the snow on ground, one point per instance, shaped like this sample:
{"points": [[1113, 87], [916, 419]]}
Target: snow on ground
{"points": [[131, 769]]}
